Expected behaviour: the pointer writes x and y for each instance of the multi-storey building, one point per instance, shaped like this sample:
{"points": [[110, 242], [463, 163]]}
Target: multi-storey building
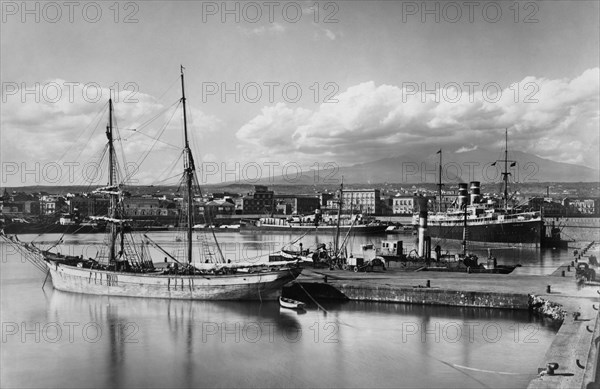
{"points": [[212, 208], [584, 206], [403, 205], [298, 204], [366, 201], [89, 205], [259, 202], [52, 204]]}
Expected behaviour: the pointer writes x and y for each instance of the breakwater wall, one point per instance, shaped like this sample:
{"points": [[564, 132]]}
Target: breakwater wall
{"points": [[417, 295], [434, 296]]}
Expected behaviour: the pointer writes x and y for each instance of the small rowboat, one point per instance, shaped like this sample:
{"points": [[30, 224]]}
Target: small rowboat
{"points": [[291, 304]]}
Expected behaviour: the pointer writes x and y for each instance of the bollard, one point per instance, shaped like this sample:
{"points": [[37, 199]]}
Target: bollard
{"points": [[563, 273], [428, 283], [551, 367], [572, 263], [568, 268], [325, 279], [548, 289]]}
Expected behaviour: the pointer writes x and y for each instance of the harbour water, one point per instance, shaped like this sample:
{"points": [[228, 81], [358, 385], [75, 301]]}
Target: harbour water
{"points": [[56, 339]]}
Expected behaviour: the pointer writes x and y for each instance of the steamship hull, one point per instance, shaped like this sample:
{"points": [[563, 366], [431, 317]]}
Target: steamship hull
{"points": [[524, 233], [484, 222]]}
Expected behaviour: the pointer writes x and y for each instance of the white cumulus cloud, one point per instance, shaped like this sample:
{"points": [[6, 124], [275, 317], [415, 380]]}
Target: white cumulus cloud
{"points": [[553, 118]]}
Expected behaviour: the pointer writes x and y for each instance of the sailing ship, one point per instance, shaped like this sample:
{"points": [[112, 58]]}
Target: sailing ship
{"points": [[336, 255], [129, 269], [486, 221], [332, 255]]}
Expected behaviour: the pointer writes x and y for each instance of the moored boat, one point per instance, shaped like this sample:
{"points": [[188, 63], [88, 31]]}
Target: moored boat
{"points": [[291, 303], [40, 227], [215, 283], [215, 228], [278, 225], [126, 269], [488, 224], [485, 220]]}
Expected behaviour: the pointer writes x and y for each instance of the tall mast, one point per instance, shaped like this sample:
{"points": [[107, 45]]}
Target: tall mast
{"points": [[189, 174], [440, 182], [337, 233], [506, 173], [111, 180], [464, 241]]}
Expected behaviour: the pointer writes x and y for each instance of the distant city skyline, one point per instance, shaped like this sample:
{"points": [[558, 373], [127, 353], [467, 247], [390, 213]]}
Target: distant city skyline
{"points": [[284, 84]]}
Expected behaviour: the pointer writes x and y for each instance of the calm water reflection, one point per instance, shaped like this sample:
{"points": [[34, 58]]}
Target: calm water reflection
{"points": [[56, 339]]}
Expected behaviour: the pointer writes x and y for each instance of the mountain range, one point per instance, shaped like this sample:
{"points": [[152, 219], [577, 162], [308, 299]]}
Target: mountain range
{"points": [[474, 165]]}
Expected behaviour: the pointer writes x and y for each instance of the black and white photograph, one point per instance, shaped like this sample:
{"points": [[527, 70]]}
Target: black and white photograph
{"points": [[300, 194]]}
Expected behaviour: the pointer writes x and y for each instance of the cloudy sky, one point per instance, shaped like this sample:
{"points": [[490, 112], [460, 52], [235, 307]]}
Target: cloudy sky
{"points": [[303, 83]]}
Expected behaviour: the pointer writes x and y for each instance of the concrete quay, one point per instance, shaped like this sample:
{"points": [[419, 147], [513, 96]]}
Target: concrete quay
{"points": [[574, 349]]}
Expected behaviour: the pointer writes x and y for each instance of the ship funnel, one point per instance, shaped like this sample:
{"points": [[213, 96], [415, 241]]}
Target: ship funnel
{"points": [[463, 195], [422, 201], [475, 192]]}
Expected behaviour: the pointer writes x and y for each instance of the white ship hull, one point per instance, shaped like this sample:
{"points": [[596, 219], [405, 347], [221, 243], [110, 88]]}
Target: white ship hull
{"points": [[265, 285]]}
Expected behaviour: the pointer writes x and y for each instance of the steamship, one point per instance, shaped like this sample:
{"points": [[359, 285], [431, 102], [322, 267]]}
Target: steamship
{"points": [[482, 221], [475, 220]]}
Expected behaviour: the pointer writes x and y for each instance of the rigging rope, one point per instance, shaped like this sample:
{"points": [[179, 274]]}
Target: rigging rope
{"points": [[169, 169], [98, 117], [141, 160]]}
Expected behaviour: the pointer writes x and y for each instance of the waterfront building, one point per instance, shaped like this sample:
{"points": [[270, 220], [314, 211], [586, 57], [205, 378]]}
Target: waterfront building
{"points": [[325, 198], [297, 204], [142, 206], [52, 204], [259, 202], [86, 206], [19, 204], [403, 205], [216, 207], [367, 201], [584, 206], [547, 206]]}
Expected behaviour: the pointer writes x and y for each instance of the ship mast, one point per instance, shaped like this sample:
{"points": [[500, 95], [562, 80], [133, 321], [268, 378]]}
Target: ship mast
{"points": [[111, 180], [337, 233], [464, 241], [440, 182], [189, 174], [505, 174]]}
